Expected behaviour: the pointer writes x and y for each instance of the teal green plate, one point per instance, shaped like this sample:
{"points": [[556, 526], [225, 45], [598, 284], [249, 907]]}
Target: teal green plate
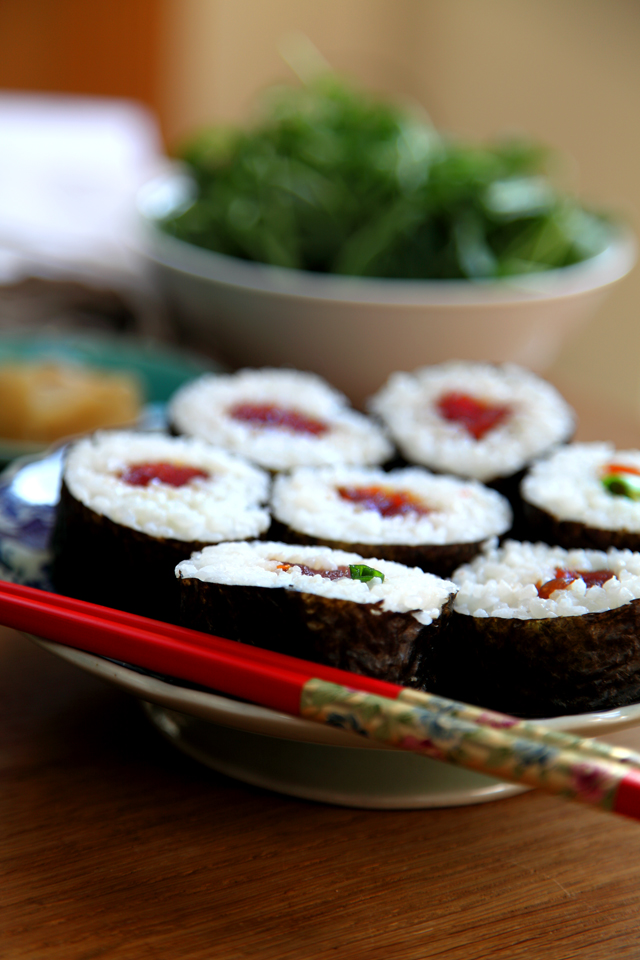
{"points": [[160, 369]]}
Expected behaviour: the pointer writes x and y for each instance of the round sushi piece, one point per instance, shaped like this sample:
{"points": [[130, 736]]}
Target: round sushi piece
{"points": [[585, 495], [380, 619], [541, 631], [279, 419], [410, 516], [133, 505], [475, 420]]}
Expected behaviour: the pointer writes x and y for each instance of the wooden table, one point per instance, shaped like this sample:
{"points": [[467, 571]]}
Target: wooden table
{"points": [[116, 846]]}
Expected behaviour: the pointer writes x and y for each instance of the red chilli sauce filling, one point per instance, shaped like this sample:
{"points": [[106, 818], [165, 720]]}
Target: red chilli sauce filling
{"points": [[387, 502], [338, 574], [283, 418], [173, 474], [477, 417], [564, 578], [355, 571]]}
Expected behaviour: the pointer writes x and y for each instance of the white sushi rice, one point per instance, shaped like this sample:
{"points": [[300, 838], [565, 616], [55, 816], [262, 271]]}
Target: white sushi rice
{"points": [[540, 418], [308, 501], [569, 486], [502, 582], [226, 505], [404, 590], [201, 408]]}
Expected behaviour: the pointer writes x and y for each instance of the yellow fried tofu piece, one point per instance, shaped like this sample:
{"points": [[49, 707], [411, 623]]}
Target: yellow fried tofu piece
{"points": [[46, 401]]}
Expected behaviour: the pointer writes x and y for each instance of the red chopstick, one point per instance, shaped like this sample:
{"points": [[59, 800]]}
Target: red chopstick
{"points": [[583, 770], [250, 673]]}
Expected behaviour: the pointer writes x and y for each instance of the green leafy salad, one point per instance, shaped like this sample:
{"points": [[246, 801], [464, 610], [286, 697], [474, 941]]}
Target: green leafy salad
{"points": [[335, 181]]}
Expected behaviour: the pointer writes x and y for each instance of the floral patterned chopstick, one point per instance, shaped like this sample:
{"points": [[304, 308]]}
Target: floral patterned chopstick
{"points": [[490, 743], [504, 747]]}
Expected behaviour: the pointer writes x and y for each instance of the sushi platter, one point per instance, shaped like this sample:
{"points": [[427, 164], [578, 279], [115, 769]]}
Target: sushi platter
{"points": [[366, 592], [251, 743]]}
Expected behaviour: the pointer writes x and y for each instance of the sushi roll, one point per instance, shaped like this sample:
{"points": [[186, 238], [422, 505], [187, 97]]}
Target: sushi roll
{"points": [[410, 516], [476, 420], [539, 631], [585, 495], [279, 419], [133, 505], [382, 620]]}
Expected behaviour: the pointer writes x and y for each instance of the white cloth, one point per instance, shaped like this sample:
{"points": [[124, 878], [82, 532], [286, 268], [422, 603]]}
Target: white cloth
{"points": [[69, 171]]}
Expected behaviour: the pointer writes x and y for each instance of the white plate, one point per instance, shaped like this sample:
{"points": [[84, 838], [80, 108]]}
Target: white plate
{"points": [[288, 754], [309, 760], [260, 746]]}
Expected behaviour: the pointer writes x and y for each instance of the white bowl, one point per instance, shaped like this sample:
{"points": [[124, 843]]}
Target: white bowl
{"points": [[355, 331]]}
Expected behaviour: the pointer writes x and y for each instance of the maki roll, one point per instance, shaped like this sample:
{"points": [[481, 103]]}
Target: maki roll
{"points": [[476, 420], [585, 495], [383, 620], [279, 419], [133, 505], [540, 631], [410, 516]]}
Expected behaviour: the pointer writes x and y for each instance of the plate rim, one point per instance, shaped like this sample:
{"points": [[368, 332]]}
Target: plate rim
{"points": [[209, 707], [217, 708], [163, 719]]}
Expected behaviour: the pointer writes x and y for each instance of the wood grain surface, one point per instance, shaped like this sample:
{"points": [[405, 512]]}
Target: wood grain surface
{"points": [[113, 845]]}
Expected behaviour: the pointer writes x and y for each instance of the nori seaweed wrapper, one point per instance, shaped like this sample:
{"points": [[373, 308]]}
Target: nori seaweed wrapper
{"points": [[509, 487], [545, 667], [341, 633], [108, 563], [542, 525], [439, 558]]}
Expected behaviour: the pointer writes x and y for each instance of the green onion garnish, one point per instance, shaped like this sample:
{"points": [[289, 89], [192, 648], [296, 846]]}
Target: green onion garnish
{"points": [[620, 486], [359, 571]]}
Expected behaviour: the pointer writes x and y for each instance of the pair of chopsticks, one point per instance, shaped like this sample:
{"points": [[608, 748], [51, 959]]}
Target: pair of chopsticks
{"points": [[519, 751]]}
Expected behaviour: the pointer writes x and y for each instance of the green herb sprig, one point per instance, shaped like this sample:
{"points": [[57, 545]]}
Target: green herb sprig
{"points": [[359, 571], [334, 180], [620, 486]]}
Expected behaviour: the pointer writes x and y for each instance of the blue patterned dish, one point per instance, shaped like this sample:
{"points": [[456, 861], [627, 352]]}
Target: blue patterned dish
{"points": [[29, 491]]}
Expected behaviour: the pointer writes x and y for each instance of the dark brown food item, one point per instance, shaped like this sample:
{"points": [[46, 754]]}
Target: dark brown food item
{"points": [[546, 667], [509, 487], [541, 525], [352, 636], [441, 559], [104, 562]]}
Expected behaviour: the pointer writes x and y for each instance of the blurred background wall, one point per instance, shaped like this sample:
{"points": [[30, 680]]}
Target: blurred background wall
{"points": [[109, 47], [567, 73]]}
